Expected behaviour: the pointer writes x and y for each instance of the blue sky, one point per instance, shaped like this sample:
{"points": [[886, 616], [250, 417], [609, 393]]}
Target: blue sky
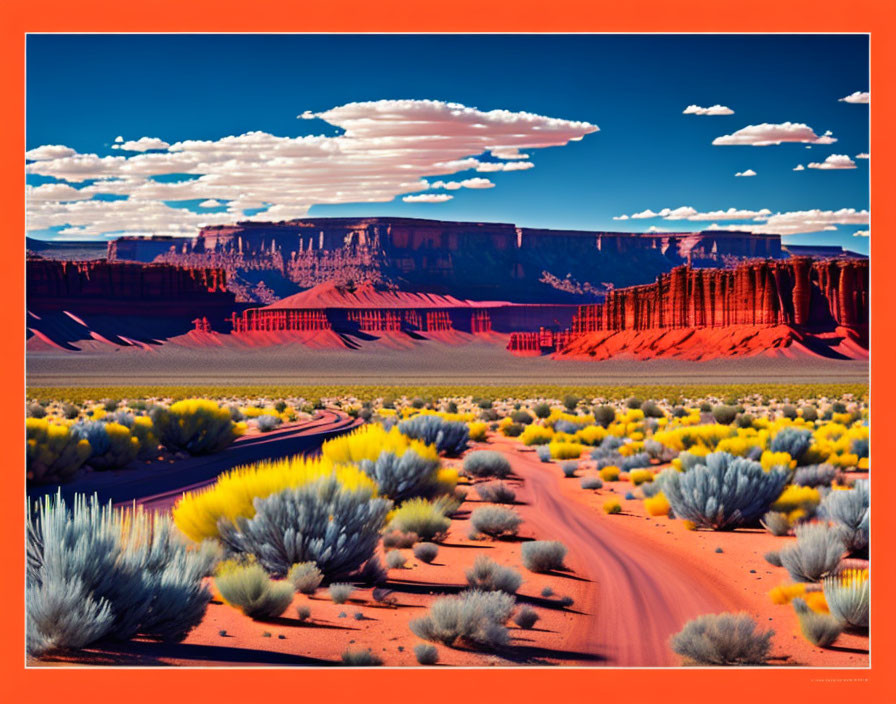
{"points": [[83, 91]]}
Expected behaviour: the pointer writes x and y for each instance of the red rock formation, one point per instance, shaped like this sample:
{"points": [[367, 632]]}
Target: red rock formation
{"points": [[268, 320]]}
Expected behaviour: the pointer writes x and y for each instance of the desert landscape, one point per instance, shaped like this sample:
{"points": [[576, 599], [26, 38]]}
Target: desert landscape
{"points": [[408, 383]]}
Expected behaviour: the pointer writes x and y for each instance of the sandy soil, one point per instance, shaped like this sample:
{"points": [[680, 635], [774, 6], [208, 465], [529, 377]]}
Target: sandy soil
{"points": [[429, 362]]}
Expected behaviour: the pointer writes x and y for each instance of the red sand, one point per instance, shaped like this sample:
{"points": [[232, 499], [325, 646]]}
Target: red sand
{"points": [[331, 295]]}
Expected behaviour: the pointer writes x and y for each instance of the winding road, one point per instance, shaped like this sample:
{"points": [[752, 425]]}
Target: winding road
{"points": [[158, 485], [640, 595]]}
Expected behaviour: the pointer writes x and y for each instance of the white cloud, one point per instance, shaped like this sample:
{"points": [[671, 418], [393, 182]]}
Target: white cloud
{"points": [[53, 192], [210, 203], [508, 153], [466, 183], [857, 97], [802, 221], [385, 149], [685, 212], [799, 167], [49, 151], [862, 233], [428, 198], [654, 228], [119, 139], [863, 155], [644, 214], [620, 217], [768, 134], [144, 144], [834, 161], [748, 172], [714, 110]]}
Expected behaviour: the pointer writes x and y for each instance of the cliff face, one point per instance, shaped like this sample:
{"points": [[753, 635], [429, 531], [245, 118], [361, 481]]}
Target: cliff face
{"points": [[53, 280], [467, 259], [798, 291]]}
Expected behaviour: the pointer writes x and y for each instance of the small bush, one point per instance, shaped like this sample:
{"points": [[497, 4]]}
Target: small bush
{"points": [[819, 629], [303, 613], [591, 483], [571, 403], [565, 450], [426, 654], [403, 476], [426, 552], [793, 441], [543, 555], [604, 415], [360, 658], [513, 430], [652, 410], [395, 560], [489, 576], [724, 414], [633, 402], [543, 452], [847, 596], [111, 444], [495, 521], [776, 523], [496, 493], [657, 505], [195, 426], [522, 417], [340, 592], [449, 437], [486, 463], [542, 410], [305, 577], [815, 475], [475, 617], [773, 558], [851, 511], [249, 589], [816, 554], [266, 422], [612, 506], [54, 454], [722, 639], [610, 473], [547, 592], [426, 519], [400, 540], [569, 469], [525, 618]]}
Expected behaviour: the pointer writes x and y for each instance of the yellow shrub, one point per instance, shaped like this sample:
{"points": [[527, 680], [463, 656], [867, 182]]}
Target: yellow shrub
{"points": [[816, 601], [565, 450], [689, 525], [771, 459], [657, 505], [612, 506], [53, 454], [796, 497], [609, 473], [478, 431], [369, 441], [446, 479], [639, 476], [197, 513], [786, 593], [536, 435], [592, 435]]}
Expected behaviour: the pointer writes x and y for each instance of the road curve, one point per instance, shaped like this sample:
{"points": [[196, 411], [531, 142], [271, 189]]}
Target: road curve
{"points": [[159, 485], [641, 596]]}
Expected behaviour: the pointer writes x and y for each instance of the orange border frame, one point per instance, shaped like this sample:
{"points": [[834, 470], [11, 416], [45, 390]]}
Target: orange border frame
{"points": [[875, 685]]}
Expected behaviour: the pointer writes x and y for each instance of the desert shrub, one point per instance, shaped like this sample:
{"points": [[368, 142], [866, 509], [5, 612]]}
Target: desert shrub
{"points": [[657, 505], [199, 514], [797, 498], [818, 628], [513, 430], [565, 450], [360, 658], [70, 411], [705, 407], [395, 560], [850, 509], [815, 554], [611, 506], [525, 617], [478, 431], [788, 411], [543, 452], [744, 420], [773, 558], [303, 612], [426, 654], [248, 588], [657, 451], [776, 523], [604, 415], [848, 597], [96, 572], [543, 555], [486, 463], [340, 592], [495, 521], [426, 552], [569, 469], [489, 576], [591, 483], [449, 437], [475, 617], [633, 402], [35, 410], [403, 476], [399, 539], [610, 473], [425, 518], [542, 410], [370, 441], [305, 577], [53, 453], [724, 414], [640, 476], [722, 639], [322, 522], [809, 413], [112, 445], [536, 435], [793, 441], [652, 410], [496, 493], [815, 475], [488, 415], [266, 422], [725, 492], [372, 572], [195, 426], [522, 417], [571, 403]]}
